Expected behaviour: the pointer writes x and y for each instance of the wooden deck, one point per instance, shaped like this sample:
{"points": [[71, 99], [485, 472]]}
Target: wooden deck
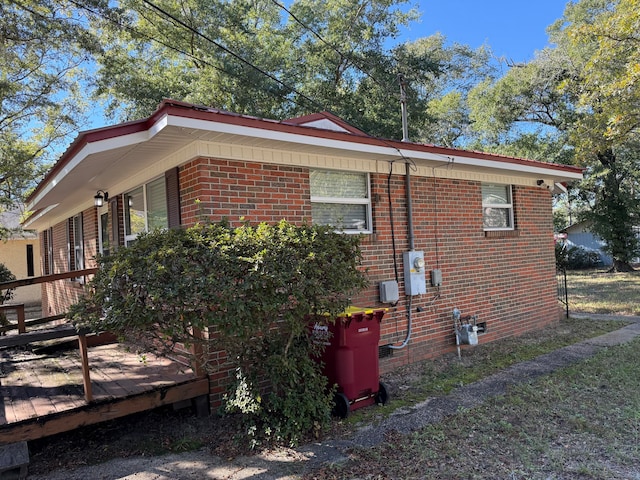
{"points": [[93, 381], [43, 394]]}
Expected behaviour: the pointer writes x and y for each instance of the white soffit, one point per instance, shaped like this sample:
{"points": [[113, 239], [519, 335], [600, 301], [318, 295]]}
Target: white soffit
{"points": [[385, 151]]}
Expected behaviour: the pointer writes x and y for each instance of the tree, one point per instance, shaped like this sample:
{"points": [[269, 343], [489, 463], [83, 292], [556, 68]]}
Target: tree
{"points": [[265, 59], [567, 93], [7, 293], [602, 39], [193, 50], [253, 290], [44, 44]]}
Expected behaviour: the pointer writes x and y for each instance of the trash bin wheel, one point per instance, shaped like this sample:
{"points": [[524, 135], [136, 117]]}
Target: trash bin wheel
{"points": [[341, 407], [382, 396]]}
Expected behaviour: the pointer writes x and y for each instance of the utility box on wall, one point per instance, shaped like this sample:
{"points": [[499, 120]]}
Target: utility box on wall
{"points": [[389, 292], [415, 282]]}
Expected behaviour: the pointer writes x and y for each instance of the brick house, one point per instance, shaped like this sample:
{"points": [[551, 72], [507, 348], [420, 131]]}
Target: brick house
{"points": [[481, 222]]}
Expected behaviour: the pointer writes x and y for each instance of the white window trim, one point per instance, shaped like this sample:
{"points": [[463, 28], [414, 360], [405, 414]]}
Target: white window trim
{"points": [[101, 240], [131, 237], [78, 247], [502, 206], [49, 247], [351, 201]]}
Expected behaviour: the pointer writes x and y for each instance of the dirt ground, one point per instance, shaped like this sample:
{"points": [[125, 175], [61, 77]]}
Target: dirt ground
{"points": [[168, 444]]}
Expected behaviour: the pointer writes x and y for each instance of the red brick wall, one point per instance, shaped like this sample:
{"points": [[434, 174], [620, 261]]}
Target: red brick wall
{"points": [[506, 278], [213, 190], [58, 295]]}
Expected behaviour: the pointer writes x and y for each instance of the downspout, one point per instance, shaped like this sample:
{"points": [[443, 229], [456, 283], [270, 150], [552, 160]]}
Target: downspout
{"points": [[407, 188]]}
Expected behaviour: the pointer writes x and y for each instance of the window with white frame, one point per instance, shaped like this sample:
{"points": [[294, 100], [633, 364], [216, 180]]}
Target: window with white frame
{"points": [[75, 243], [497, 207], [341, 199], [48, 251], [145, 209]]}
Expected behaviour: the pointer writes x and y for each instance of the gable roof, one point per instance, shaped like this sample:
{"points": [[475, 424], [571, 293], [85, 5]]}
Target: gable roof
{"points": [[325, 120], [114, 156]]}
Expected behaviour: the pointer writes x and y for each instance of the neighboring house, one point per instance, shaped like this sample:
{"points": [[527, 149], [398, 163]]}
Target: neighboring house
{"points": [[580, 235], [483, 223], [20, 253]]}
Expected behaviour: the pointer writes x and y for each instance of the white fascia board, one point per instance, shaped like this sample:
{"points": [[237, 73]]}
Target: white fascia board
{"points": [[220, 127], [386, 150], [528, 168], [41, 214], [90, 149]]}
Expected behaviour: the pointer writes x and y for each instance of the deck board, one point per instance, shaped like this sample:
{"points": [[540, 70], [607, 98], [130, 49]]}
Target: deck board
{"points": [[37, 390]]}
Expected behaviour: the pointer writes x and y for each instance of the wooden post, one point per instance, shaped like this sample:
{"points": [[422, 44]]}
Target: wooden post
{"points": [[20, 312], [196, 350], [84, 357]]}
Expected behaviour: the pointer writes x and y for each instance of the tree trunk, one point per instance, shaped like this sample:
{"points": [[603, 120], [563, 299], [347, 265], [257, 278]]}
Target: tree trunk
{"points": [[620, 266]]}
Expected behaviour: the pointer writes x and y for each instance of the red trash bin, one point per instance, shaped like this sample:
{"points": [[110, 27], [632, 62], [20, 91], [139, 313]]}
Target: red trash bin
{"points": [[350, 359]]}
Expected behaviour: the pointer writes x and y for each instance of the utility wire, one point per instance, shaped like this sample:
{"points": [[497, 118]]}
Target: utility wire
{"points": [[177, 22], [234, 55], [196, 58], [330, 45], [151, 38]]}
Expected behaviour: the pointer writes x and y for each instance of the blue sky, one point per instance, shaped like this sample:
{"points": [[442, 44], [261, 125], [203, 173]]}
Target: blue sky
{"points": [[514, 29]]}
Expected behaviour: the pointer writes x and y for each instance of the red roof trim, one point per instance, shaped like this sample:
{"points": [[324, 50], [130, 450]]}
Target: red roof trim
{"points": [[186, 110]]}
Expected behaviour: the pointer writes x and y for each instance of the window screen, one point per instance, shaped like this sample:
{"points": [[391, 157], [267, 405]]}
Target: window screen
{"points": [[497, 207], [341, 199]]}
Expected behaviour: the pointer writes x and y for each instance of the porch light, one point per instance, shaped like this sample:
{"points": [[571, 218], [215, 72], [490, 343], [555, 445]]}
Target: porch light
{"points": [[100, 197]]}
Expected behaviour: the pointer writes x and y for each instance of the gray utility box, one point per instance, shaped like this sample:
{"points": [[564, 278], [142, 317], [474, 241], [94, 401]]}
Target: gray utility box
{"points": [[415, 281]]}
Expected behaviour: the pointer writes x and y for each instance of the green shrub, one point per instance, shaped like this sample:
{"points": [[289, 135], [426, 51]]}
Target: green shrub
{"points": [[561, 254], [6, 276], [6, 294], [580, 257], [253, 288]]}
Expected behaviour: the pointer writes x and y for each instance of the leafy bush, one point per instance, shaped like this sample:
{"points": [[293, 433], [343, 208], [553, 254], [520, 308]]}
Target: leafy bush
{"points": [[252, 289], [6, 276], [580, 257], [6, 294], [561, 250]]}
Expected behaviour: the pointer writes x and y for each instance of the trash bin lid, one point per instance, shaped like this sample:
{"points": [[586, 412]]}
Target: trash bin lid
{"points": [[352, 310]]}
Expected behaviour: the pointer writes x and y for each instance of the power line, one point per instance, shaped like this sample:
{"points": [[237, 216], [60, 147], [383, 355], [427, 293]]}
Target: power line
{"points": [[177, 22], [196, 58], [330, 45], [235, 55]]}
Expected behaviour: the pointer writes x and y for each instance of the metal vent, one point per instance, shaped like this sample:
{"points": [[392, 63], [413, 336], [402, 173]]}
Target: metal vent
{"points": [[384, 351]]}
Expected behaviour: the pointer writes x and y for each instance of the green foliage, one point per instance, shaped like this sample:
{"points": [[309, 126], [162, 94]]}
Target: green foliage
{"points": [[583, 96], [6, 294], [579, 258], [6, 276], [297, 403], [44, 43], [252, 288], [561, 254]]}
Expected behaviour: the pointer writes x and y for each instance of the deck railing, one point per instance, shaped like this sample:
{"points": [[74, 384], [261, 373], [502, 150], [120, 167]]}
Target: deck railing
{"points": [[25, 337], [27, 334]]}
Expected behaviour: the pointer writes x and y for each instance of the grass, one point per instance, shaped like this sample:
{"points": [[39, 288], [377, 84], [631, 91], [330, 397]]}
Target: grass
{"points": [[595, 291], [582, 422], [414, 383]]}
